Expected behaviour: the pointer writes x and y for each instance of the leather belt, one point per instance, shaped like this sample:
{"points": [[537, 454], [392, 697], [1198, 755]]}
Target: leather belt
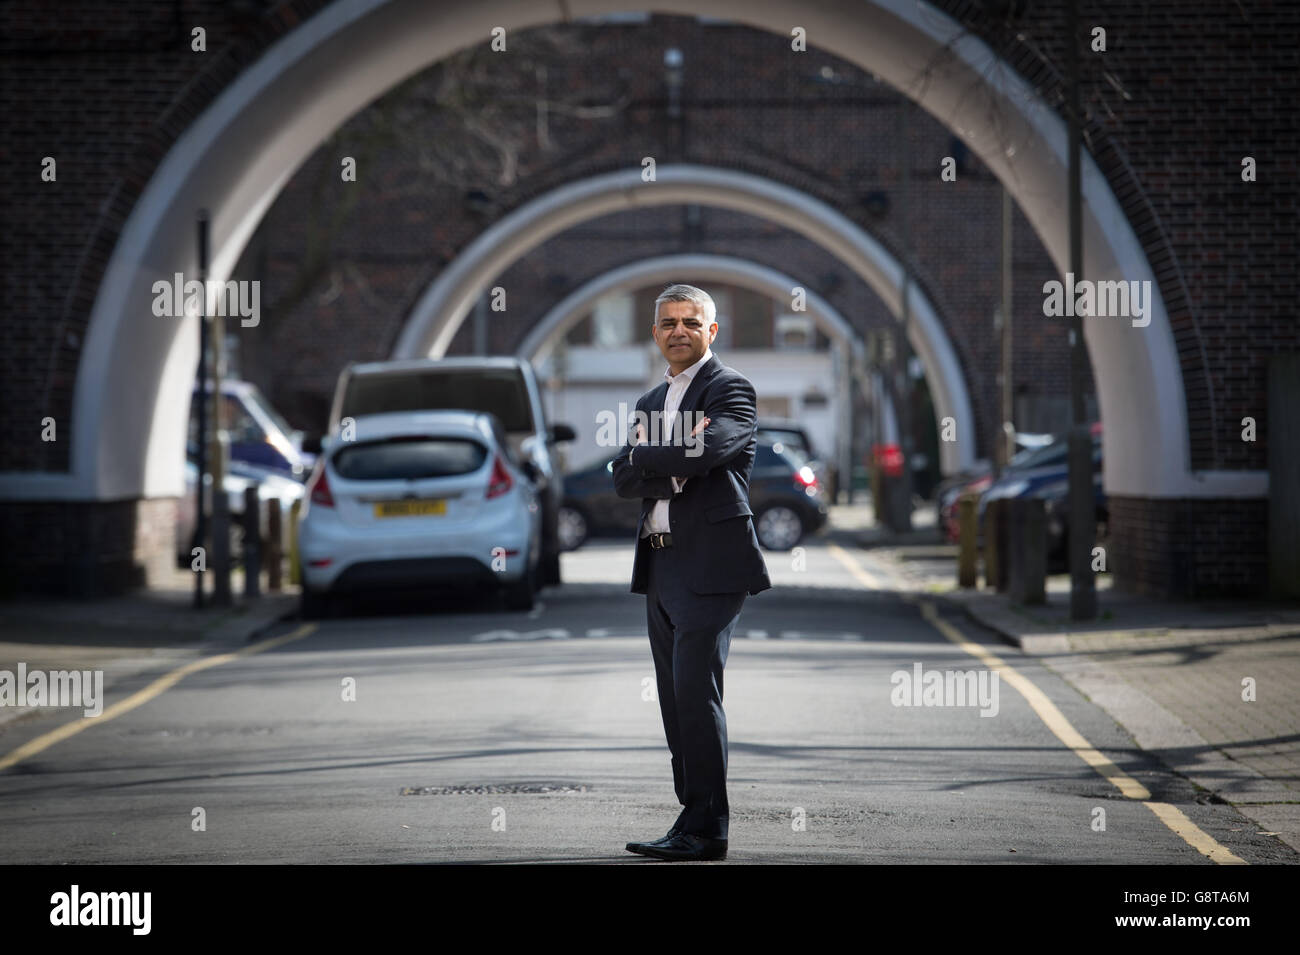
{"points": [[658, 541]]}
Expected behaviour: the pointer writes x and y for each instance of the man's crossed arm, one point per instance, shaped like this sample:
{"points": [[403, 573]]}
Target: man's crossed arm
{"points": [[729, 424]]}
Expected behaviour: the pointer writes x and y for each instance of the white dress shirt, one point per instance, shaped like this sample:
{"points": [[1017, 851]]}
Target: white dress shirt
{"points": [[657, 521]]}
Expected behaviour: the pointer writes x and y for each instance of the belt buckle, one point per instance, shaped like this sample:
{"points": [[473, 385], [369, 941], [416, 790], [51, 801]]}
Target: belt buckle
{"points": [[656, 541]]}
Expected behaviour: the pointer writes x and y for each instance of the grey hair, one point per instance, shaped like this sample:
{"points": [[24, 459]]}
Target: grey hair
{"points": [[689, 293]]}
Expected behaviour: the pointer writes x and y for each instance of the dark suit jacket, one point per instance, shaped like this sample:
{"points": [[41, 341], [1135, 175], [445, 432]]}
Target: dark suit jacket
{"points": [[710, 519]]}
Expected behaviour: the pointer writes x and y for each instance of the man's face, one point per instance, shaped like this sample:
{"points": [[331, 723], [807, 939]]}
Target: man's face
{"points": [[680, 333]]}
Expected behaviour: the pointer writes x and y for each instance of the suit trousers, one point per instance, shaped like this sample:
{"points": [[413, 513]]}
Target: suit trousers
{"points": [[690, 636]]}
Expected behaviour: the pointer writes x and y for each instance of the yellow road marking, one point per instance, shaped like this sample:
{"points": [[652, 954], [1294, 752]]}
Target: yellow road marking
{"points": [[1044, 707], [865, 577], [142, 696], [1193, 834], [1061, 727]]}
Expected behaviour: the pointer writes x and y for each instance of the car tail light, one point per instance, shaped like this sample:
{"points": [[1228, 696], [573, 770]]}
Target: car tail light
{"points": [[804, 477], [318, 489], [500, 481]]}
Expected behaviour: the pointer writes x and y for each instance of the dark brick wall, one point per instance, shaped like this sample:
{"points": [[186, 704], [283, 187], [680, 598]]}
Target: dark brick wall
{"points": [[76, 549], [1181, 548], [1182, 93], [1185, 90], [104, 88], [742, 108]]}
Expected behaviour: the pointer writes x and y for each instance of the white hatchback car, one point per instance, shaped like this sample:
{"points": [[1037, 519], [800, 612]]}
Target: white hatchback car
{"points": [[414, 500]]}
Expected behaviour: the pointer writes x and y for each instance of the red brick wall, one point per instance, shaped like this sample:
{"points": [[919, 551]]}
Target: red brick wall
{"points": [[743, 109]]}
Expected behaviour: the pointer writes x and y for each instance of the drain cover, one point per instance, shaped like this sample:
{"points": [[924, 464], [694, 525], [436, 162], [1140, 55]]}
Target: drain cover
{"points": [[491, 789]]}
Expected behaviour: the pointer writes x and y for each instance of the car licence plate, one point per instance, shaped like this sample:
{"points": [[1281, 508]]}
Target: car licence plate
{"points": [[410, 508]]}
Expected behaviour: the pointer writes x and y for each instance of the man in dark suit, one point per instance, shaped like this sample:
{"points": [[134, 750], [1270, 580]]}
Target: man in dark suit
{"points": [[697, 555]]}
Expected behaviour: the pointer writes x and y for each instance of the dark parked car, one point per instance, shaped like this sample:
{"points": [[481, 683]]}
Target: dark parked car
{"points": [[1056, 498], [785, 495], [977, 479], [792, 434], [1043, 473]]}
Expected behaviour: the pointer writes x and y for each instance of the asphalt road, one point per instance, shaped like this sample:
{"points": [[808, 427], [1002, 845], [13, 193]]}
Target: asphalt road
{"points": [[480, 735]]}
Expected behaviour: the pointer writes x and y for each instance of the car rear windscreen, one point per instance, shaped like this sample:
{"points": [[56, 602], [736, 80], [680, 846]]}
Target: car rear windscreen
{"points": [[409, 459], [499, 391], [791, 440], [777, 455], [789, 452]]}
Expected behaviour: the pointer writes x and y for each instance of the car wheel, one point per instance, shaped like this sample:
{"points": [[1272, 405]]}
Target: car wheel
{"points": [[572, 528], [778, 527]]}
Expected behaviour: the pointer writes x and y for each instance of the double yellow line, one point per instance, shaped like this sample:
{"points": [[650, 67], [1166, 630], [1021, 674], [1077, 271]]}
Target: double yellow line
{"points": [[1061, 727], [143, 696]]}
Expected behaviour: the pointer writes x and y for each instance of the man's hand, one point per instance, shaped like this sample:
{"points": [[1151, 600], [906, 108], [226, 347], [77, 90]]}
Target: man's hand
{"points": [[680, 482], [640, 430]]}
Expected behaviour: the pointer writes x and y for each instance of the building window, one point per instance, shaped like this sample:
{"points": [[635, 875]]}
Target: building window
{"points": [[611, 322], [753, 320]]}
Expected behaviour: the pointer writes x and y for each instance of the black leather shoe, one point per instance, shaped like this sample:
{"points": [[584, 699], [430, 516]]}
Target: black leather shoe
{"points": [[639, 847], [685, 847]]}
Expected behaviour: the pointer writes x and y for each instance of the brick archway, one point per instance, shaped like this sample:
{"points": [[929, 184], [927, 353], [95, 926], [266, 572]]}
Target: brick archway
{"points": [[719, 268], [129, 407], [743, 272], [442, 308]]}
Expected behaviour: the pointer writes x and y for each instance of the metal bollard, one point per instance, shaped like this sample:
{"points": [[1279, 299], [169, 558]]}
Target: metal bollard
{"points": [[968, 529], [995, 546], [1027, 539], [274, 547], [252, 543]]}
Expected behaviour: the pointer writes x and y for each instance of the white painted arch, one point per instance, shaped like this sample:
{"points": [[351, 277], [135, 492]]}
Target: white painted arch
{"points": [[662, 269], [134, 376], [763, 279], [447, 301]]}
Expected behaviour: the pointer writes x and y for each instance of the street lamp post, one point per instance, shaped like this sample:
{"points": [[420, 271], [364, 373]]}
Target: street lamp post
{"points": [[1007, 430], [200, 538], [1083, 525], [902, 510]]}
